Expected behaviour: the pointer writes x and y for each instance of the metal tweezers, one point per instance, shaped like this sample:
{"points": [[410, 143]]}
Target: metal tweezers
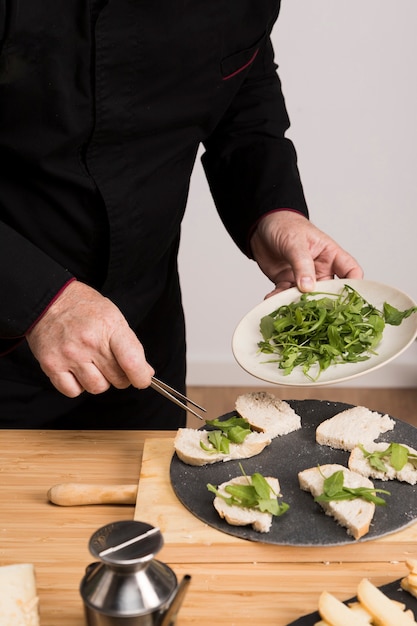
{"points": [[175, 396]]}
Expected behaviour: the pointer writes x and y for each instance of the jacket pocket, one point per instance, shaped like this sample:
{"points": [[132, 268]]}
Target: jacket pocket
{"points": [[240, 61]]}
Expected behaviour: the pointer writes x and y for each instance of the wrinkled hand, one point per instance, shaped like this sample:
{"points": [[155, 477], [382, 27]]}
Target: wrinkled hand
{"points": [[83, 342], [291, 252]]}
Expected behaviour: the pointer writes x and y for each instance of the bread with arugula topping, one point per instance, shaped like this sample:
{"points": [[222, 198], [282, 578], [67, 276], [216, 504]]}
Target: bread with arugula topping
{"points": [[267, 416], [240, 516], [358, 463], [267, 413], [347, 429], [355, 515], [187, 445]]}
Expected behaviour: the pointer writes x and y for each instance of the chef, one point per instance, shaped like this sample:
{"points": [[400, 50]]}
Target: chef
{"points": [[103, 106]]}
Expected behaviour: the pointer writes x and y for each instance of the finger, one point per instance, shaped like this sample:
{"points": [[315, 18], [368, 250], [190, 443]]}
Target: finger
{"points": [[113, 373], [279, 287], [354, 272], [130, 356], [304, 274], [303, 269], [91, 378], [67, 384]]}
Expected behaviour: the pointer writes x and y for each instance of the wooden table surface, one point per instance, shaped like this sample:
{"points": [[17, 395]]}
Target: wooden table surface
{"points": [[233, 581]]}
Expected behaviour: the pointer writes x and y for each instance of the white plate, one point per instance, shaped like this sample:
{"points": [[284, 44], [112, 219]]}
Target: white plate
{"points": [[395, 338]]}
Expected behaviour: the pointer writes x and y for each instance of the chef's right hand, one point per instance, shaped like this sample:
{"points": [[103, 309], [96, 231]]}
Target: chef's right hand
{"points": [[84, 343]]}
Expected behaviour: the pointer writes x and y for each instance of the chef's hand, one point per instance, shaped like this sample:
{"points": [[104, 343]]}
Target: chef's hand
{"points": [[291, 252], [83, 342]]}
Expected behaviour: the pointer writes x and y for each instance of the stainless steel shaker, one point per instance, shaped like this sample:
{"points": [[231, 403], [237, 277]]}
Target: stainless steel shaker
{"points": [[128, 586]]}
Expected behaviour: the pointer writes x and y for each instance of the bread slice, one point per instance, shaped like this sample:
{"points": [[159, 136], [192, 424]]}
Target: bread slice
{"points": [[267, 413], [240, 516], [187, 446], [355, 515], [358, 463], [356, 425], [18, 595], [268, 416]]}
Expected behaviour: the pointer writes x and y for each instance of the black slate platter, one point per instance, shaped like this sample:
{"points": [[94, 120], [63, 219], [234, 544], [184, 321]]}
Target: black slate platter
{"points": [[304, 524], [392, 590]]}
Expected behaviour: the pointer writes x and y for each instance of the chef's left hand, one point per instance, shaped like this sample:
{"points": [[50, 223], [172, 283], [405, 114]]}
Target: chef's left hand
{"points": [[291, 252]]}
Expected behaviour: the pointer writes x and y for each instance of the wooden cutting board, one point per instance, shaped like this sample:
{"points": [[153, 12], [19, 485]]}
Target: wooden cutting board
{"points": [[187, 539]]}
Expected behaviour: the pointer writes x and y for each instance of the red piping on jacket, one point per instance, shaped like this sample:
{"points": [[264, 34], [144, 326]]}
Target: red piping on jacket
{"points": [[251, 60], [56, 296]]}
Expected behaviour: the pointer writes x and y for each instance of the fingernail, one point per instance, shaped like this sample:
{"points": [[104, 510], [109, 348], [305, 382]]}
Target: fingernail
{"points": [[306, 283]]}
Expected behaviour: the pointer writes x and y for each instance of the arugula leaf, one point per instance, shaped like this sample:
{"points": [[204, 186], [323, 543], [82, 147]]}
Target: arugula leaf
{"points": [[333, 484], [334, 489], [235, 430], [394, 317], [396, 454], [218, 441], [257, 494], [315, 333]]}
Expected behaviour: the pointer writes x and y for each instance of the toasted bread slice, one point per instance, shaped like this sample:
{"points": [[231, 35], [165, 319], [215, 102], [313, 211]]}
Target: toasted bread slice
{"points": [[239, 516], [268, 417], [187, 446], [267, 413], [355, 515], [347, 429], [358, 463]]}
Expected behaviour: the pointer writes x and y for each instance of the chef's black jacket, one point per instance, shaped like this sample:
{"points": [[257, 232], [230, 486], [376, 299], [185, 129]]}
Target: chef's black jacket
{"points": [[103, 106]]}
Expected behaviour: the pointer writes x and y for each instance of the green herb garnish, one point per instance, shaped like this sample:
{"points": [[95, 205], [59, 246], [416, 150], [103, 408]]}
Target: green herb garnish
{"points": [[234, 430], [257, 494], [334, 489], [319, 332], [395, 454]]}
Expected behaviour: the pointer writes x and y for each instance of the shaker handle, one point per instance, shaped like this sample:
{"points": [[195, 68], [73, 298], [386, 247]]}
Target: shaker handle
{"points": [[170, 617], [92, 568]]}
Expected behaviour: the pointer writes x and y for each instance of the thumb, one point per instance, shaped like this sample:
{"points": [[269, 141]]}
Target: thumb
{"points": [[303, 269], [305, 282]]}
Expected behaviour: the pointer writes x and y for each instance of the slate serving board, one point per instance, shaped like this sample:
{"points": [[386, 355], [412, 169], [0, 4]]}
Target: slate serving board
{"points": [[305, 523]]}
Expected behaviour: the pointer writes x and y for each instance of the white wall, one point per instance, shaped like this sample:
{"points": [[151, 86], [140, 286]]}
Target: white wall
{"points": [[348, 69]]}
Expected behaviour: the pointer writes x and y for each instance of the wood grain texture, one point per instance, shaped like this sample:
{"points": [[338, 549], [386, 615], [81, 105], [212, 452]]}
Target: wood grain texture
{"points": [[231, 582], [188, 538], [53, 538], [398, 402], [254, 582]]}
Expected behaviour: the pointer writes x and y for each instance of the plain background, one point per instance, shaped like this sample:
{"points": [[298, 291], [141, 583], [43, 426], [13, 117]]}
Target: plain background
{"points": [[348, 69]]}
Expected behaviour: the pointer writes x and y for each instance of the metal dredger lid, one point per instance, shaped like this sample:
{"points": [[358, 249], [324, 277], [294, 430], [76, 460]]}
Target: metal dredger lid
{"points": [[126, 543], [128, 581]]}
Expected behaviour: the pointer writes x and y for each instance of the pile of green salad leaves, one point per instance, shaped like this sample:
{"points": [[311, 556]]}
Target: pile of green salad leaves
{"points": [[316, 332]]}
